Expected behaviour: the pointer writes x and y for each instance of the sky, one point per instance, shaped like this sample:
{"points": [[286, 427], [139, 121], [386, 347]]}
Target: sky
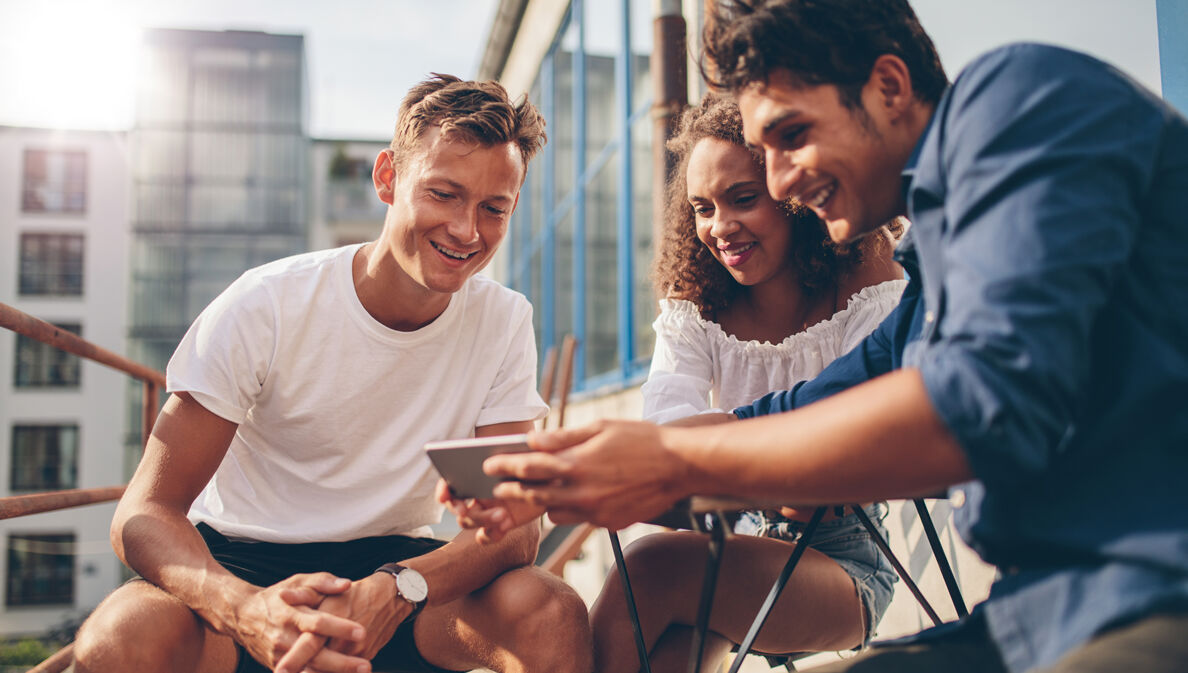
{"points": [[73, 63]]}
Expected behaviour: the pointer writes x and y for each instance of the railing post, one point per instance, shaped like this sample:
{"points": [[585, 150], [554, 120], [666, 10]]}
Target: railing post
{"points": [[148, 411]]}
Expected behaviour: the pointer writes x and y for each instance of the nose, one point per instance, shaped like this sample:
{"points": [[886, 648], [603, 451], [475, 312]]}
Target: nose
{"points": [[464, 228], [782, 174], [724, 224]]}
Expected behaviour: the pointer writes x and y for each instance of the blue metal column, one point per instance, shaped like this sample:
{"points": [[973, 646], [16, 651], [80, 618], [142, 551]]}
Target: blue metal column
{"points": [[548, 248], [625, 256], [1172, 17], [579, 204]]}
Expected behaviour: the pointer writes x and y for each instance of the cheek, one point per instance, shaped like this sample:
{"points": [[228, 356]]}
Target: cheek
{"points": [[703, 233]]}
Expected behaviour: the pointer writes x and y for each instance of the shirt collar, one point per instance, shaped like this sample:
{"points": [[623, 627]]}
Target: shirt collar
{"points": [[909, 170]]}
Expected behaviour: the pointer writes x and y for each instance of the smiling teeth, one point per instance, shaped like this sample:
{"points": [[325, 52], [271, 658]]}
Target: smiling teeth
{"points": [[451, 253], [738, 251], [821, 197]]}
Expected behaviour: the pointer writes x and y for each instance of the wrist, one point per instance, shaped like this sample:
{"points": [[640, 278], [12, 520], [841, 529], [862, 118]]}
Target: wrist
{"points": [[408, 586]]}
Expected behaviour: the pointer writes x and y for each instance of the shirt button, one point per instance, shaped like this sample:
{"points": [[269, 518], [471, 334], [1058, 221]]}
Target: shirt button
{"points": [[929, 316], [957, 498]]}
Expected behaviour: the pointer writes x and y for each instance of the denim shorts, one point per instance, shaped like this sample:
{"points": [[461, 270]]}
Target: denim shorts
{"points": [[848, 543]]}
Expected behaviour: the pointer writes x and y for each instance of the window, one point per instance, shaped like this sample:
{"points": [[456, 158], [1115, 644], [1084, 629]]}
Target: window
{"points": [[51, 264], [44, 457], [40, 570], [39, 365], [55, 182], [580, 241]]}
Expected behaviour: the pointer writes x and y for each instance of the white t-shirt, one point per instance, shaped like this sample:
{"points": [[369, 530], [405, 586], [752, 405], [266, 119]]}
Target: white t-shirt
{"points": [[334, 408], [697, 367]]}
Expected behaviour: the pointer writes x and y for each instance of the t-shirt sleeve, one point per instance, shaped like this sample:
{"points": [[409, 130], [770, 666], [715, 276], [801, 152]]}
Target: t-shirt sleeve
{"points": [[223, 359], [681, 375], [513, 396]]}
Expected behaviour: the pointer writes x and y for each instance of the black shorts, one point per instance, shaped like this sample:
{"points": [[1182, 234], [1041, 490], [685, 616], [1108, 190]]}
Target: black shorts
{"points": [[266, 563]]}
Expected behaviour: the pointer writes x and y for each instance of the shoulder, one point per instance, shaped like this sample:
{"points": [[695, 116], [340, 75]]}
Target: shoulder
{"points": [[1013, 78], [679, 315]]}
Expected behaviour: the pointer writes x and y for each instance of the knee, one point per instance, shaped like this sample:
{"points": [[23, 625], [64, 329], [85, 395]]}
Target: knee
{"points": [[664, 560], [542, 603], [105, 640]]}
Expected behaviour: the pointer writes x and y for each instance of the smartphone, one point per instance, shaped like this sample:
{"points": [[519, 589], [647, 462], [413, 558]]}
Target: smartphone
{"points": [[460, 462]]}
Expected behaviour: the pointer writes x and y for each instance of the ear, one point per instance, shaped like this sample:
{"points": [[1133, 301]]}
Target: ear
{"points": [[889, 87], [383, 176]]}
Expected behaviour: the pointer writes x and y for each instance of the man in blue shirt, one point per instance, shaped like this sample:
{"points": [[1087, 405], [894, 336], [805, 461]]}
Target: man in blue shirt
{"points": [[1039, 358]]}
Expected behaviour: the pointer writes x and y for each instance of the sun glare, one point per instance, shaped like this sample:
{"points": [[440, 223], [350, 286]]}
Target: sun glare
{"points": [[69, 64]]}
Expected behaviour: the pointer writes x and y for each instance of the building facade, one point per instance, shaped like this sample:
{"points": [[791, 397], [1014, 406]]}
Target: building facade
{"points": [[218, 179], [64, 247], [343, 205]]}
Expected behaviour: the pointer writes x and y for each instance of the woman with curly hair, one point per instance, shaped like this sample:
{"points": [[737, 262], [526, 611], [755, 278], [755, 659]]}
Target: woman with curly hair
{"points": [[756, 298]]}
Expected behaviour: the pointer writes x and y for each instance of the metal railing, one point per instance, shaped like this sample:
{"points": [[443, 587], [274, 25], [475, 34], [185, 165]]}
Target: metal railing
{"points": [[34, 503]]}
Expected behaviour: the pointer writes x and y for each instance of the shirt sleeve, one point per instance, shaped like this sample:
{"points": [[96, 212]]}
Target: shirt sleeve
{"points": [[1044, 153], [867, 309], [513, 396], [224, 358], [682, 371], [873, 356]]}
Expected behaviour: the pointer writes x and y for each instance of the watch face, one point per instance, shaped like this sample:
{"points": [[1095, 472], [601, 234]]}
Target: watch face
{"points": [[411, 585]]}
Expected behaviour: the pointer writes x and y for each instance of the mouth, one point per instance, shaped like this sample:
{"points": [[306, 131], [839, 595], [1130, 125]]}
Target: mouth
{"points": [[736, 254], [818, 198], [451, 253]]}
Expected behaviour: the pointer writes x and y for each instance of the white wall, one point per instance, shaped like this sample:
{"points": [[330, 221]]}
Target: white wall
{"points": [[97, 406]]}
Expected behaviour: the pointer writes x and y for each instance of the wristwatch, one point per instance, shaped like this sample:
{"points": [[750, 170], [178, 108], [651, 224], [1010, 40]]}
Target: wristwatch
{"points": [[410, 585]]}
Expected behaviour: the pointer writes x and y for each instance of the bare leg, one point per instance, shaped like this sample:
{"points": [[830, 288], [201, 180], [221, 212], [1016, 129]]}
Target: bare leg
{"points": [[141, 628], [671, 653], [819, 609], [526, 621]]}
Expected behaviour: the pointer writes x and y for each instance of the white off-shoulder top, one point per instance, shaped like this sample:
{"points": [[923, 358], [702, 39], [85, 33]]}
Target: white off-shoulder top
{"points": [[697, 367]]}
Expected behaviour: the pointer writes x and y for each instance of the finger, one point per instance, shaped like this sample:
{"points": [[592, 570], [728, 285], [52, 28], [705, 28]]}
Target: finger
{"points": [[326, 624], [299, 655], [526, 466], [442, 491], [323, 582], [539, 494], [307, 596], [555, 440]]}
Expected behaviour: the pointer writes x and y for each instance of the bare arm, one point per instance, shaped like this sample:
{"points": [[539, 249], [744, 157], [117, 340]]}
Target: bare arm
{"points": [[457, 569], [881, 439], [151, 533]]}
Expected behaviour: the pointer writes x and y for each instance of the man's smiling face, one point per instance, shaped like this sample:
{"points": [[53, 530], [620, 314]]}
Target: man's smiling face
{"points": [[451, 200], [832, 158]]}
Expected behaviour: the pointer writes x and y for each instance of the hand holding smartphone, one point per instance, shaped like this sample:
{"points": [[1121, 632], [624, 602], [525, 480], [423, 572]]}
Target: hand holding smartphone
{"points": [[460, 462]]}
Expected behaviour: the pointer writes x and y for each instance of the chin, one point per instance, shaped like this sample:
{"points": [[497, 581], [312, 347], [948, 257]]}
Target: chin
{"points": [[845, 231]]}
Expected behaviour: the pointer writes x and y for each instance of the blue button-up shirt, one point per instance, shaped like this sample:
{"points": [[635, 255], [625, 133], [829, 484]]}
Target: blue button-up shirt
{"points": [[1047, 313]]}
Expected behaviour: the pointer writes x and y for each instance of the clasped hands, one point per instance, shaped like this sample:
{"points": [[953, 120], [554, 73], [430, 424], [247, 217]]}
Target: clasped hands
{"points": [[319, 623], [611, 473]]}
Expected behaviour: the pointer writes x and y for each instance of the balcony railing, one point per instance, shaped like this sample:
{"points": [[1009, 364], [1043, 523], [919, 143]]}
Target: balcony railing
{"points": [[34, 503]]}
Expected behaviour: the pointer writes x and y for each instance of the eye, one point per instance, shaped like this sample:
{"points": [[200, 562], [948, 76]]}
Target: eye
{"points": [[702, 210], [494, 210], [440, 195], [746, 199], [792, 136]]}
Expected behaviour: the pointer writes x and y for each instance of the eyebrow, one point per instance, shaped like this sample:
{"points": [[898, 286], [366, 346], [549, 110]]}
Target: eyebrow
{"points": [[737, 185], [779, 119]]}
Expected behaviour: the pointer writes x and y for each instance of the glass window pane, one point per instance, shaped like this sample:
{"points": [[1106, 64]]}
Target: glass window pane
{"points": [[40, 365], [602, 318], [44, 457], [51, 264], [40, 570]]}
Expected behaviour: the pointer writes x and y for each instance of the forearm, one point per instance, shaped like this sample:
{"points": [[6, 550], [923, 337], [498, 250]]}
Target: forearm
{"points": [[463, 566], [879, 440], [164, 547]]}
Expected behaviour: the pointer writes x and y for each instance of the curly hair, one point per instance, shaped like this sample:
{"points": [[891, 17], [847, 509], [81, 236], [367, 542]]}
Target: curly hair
{"points": [[684, 268], [818, 42]]}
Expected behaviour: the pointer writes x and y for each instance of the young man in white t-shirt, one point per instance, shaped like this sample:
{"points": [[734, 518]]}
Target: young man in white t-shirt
{"points": [[280, 512]]}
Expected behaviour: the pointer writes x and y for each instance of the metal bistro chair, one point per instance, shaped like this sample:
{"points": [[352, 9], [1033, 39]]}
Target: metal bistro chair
{"points": [[717, 537]]}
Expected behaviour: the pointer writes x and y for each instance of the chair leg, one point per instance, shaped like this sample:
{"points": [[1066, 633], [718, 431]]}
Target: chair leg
{"points": [[903, 573], [776, 589], [713, 563], [640, 646], [942, 560]]}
